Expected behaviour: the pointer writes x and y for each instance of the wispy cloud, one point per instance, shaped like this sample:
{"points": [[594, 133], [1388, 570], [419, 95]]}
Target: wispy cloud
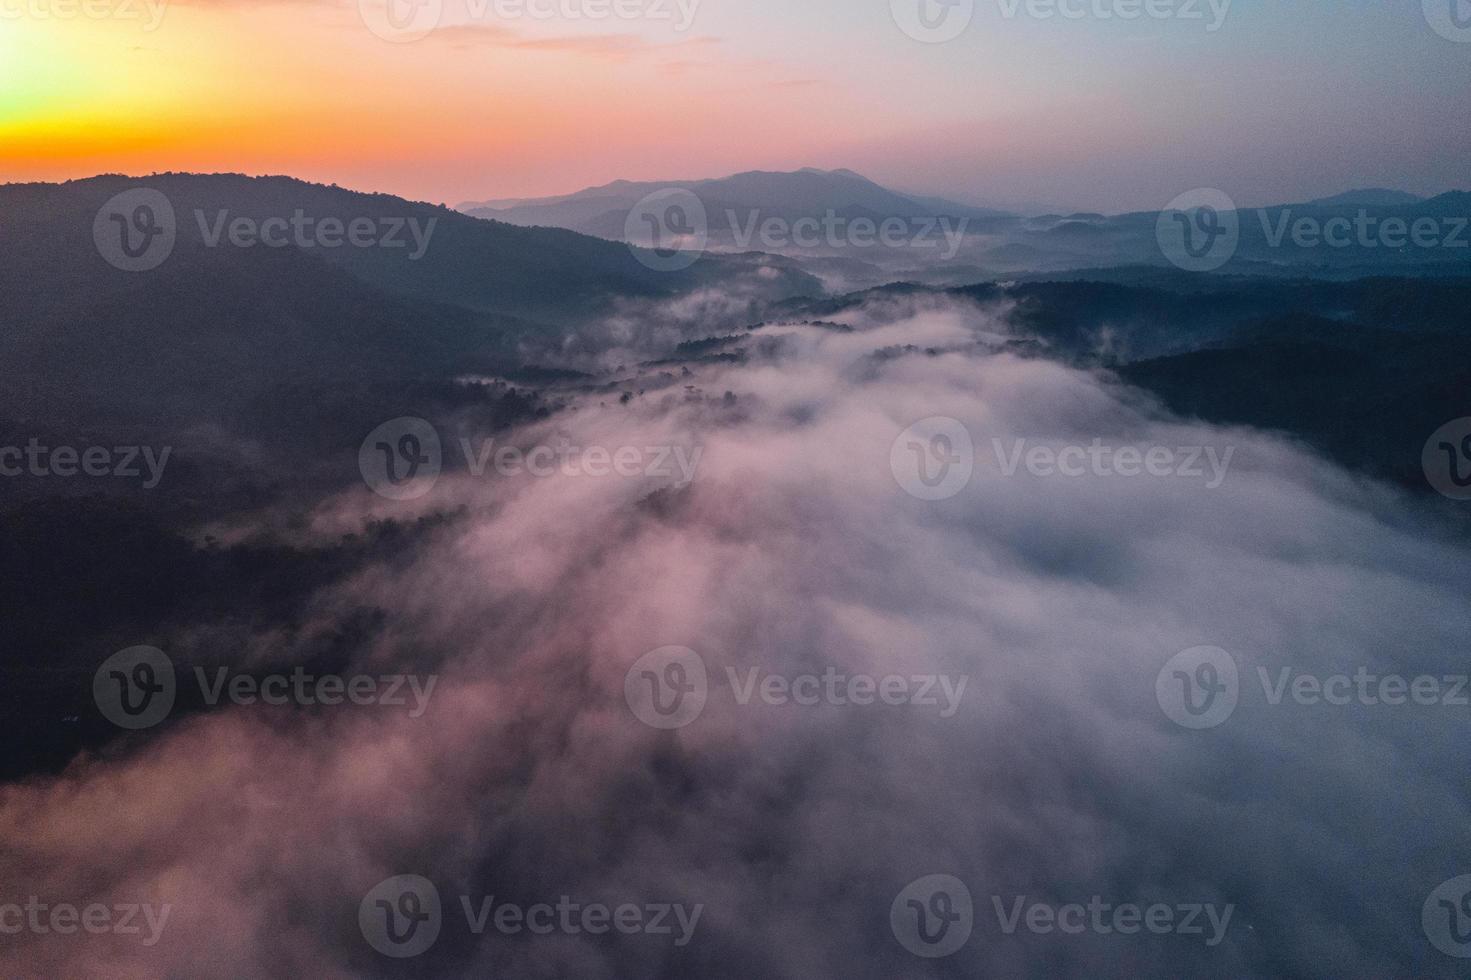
{"points": [[611, 47]]}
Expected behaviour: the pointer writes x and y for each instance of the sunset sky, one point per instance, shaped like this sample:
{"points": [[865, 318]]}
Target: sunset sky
{"points": [[1083, 113]]}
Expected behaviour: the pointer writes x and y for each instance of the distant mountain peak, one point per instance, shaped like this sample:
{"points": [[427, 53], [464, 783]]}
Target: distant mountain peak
{"points": [[840, 172], [793, 194], [1368, 197], [785, 174]]}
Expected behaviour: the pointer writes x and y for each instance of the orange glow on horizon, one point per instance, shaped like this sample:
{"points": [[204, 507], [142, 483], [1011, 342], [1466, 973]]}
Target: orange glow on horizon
{"points": [[305, 90]]}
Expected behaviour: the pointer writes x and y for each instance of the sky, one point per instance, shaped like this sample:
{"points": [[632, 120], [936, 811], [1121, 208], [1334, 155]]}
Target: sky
{"points": [[1272, 102]]}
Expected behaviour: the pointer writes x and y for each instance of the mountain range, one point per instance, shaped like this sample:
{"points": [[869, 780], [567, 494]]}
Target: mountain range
{"points": [[602, 211], [989, 243], [547, 274], [216, 349], [232, 340]]}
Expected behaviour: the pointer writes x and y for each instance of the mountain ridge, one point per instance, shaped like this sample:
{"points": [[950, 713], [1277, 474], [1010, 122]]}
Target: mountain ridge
{"points": [[601, 210], [548, 274]]}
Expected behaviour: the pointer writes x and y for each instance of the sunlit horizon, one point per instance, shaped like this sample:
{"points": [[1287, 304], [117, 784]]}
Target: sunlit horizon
{"points": [[487, 108]]}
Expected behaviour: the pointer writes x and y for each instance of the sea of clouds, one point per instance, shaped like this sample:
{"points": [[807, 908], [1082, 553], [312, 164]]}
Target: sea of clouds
{"points": [[796, 549]]}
